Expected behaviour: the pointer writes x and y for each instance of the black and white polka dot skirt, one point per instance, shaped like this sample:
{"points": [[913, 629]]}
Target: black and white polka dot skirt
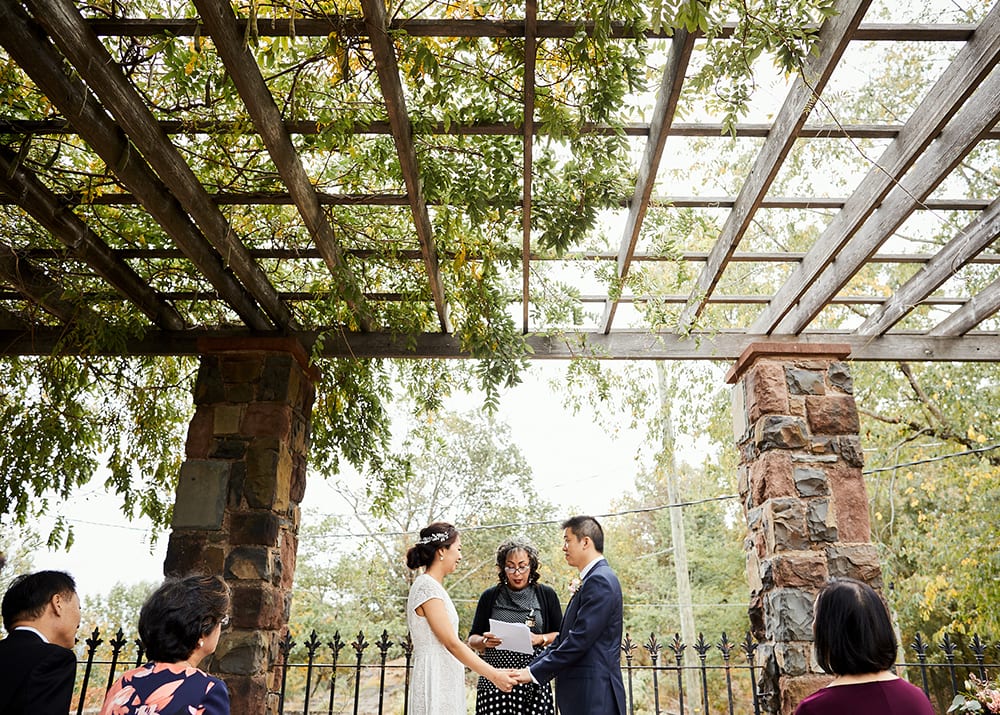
{"points": [[528, 699]]}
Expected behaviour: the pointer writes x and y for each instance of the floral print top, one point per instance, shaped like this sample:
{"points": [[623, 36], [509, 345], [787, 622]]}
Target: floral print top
{"points": [[167, 689]]}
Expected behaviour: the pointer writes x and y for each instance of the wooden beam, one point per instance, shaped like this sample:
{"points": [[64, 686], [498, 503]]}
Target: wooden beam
{"points": [[617, 345], [964, 74], [62, 20], [27, 45], [753, 299], [197, 127], [983, 305], [528, 119], [283, 198], [43, 206], [353, 27], [385, 297], [834, 37], [402, 134], [667, 97], [37, 287], [242, 68], [960, 251], [308, 253]]}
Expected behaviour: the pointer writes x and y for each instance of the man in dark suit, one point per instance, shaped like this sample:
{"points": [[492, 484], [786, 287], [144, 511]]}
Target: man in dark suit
{"points": [[41, 612], [585, 657]]}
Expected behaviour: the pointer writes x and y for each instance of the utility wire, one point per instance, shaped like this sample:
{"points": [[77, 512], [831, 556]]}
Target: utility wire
{"points": [[542, 522], [939, 458]]}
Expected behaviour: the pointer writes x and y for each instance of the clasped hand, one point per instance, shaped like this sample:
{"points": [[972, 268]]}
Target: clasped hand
{"points": [[506, 679]]}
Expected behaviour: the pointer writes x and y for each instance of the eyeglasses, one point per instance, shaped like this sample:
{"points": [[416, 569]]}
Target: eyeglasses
{"points": [[517, 569]]}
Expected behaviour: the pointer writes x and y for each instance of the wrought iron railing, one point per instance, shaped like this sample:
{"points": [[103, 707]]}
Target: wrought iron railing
{"points": [[363, 677]]}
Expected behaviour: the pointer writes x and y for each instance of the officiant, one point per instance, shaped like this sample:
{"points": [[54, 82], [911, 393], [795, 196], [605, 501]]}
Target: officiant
{"points": [[517, 598]]}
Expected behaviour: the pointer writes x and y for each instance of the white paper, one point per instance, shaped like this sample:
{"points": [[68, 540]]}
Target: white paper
{"points": [[513, 636]]}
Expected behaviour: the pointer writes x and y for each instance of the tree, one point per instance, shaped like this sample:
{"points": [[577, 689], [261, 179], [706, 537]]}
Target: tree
{"points": [[933, 514], [117, 609], [68, 419], [17, 549]]}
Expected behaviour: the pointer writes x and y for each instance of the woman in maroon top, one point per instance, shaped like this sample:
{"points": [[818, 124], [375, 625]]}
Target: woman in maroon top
{"points": [[855, 642]]}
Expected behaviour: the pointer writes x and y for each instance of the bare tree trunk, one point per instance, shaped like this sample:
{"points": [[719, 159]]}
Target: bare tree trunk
{"points": [[667, 466]]}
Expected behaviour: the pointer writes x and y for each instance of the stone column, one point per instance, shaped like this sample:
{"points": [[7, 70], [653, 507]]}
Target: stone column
{"points": [[237, 507], [805, 502]]}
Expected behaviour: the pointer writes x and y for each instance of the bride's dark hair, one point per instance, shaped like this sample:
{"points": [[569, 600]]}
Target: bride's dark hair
{"points": [[434, 536]]}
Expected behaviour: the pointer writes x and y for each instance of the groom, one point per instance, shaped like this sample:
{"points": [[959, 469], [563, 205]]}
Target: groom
{"points": [[585, 656]]}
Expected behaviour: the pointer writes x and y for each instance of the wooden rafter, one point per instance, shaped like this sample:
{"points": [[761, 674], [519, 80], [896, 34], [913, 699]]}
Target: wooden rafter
{"points": [[43, 206], [242, 68], [37, 287], [663, 116], [980, 307], [955, 142], [834, 38], [62, 20], [402, 134], [961, 250], [25, 42], [530, 49], [971, 66]]}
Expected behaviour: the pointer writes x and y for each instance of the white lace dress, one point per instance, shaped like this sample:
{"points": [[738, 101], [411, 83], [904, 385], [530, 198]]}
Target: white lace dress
{"points": [[437, 683]]}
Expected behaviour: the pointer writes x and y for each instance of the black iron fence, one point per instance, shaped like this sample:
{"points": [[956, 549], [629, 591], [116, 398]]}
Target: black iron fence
{"points": [[371, 677]]}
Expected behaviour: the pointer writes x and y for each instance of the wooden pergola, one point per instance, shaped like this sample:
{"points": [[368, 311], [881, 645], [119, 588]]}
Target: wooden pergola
{"points": [[72, 264]]}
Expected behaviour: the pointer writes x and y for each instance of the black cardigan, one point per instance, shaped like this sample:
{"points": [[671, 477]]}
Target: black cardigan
{"points": [[547, 599]]}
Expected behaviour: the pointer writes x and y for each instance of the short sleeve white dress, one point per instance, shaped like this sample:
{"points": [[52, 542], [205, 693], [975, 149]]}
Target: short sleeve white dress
{"points": [[437, 683]]}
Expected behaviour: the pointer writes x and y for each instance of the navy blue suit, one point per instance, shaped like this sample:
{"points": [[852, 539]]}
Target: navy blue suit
{"points": [[36, 678], [585, 658]]}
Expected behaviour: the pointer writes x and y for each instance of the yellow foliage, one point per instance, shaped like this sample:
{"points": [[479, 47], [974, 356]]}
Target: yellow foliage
{"points": [[934, 587]]}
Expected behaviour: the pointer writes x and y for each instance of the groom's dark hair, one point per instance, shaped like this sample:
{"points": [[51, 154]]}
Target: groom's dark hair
{"points": [[586, 526]]}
